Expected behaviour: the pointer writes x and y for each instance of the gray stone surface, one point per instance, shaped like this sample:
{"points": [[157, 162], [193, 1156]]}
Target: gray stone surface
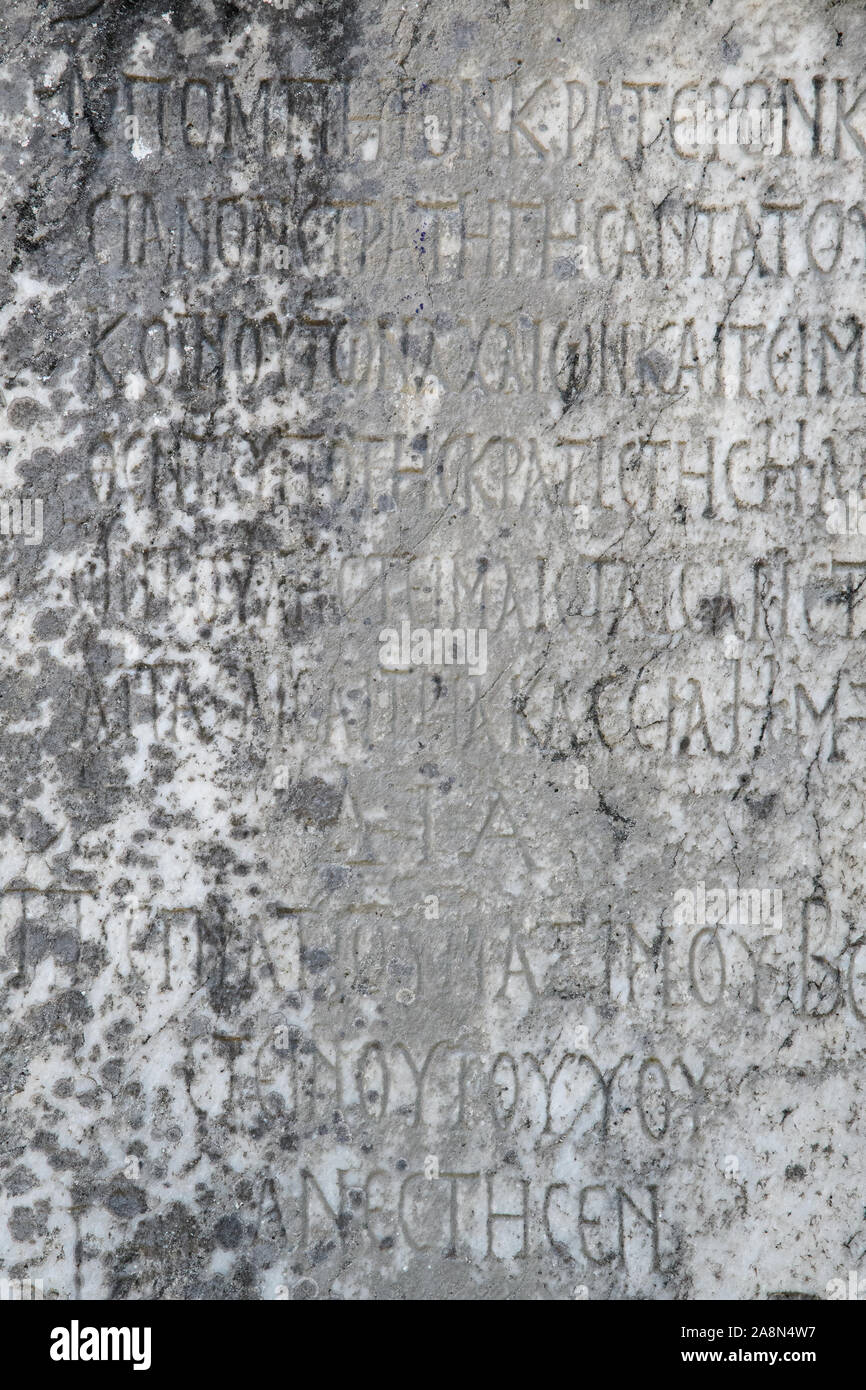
{"points": [[332, 968]]}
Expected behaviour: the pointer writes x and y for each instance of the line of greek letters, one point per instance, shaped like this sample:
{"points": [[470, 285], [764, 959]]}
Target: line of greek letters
{"points": [[809, 602], [452, 1086], [813, 969], [495, 1215], [714, 359], [790, 464], [460, 236], [518, 118], [673, 711]]}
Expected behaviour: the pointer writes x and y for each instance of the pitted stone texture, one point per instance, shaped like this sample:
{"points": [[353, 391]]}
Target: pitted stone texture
{"points": [[331, 967]]}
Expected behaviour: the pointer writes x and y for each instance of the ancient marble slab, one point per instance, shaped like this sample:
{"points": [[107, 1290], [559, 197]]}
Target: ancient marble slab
{"points": [[433, 535]]}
